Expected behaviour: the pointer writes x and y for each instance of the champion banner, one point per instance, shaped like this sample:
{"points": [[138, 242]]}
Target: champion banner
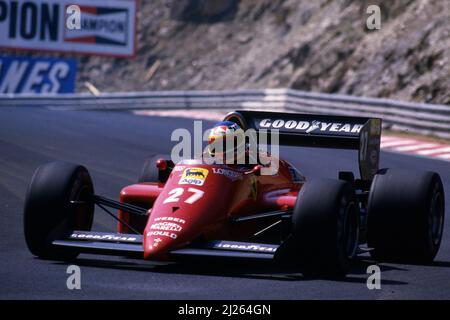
{"points": [[80, 26]]}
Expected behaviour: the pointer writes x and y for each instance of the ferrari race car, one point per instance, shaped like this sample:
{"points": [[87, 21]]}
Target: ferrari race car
{"points": [[194, 209]]}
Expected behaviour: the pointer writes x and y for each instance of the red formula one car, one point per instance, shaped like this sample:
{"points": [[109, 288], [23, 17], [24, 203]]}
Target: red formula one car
{"points": [[193, 209]]}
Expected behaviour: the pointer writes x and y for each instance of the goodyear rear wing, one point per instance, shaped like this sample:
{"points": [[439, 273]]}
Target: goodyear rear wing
{"points": [[320, 131]]}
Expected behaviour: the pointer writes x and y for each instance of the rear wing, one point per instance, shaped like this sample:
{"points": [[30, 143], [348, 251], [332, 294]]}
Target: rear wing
{"points": [[322, 131]]}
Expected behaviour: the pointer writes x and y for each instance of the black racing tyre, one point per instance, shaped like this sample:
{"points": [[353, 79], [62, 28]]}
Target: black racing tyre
{"points": [[405, 216], [325, 232], [58, 200], [150, 173]]}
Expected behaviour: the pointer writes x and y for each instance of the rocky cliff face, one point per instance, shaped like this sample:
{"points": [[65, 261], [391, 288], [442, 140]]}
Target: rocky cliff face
{"points": [[320, 45]]}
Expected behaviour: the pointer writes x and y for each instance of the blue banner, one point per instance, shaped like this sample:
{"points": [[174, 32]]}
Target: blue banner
{"points": [[37, 75]]}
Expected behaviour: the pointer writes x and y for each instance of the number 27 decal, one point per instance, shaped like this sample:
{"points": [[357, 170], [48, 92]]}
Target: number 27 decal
{"points": [[175, 194]]}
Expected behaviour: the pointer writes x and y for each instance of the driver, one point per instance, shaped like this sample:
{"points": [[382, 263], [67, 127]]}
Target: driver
{"points": [[226, 144]]}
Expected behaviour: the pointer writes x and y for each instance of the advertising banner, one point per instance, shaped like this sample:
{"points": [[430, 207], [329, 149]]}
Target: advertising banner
{"points": [[37, 75], [77, 26]]}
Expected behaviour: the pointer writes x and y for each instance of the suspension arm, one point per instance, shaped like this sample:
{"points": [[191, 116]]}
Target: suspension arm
{"points": [[120, 205]]}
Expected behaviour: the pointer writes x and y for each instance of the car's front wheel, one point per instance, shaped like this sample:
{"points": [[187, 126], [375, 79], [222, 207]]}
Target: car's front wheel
{"points": [[58, 200], [325, 233]]}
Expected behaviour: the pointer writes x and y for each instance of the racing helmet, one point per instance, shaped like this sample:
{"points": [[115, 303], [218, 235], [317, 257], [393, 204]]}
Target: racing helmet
{"points": [[226, 143]]}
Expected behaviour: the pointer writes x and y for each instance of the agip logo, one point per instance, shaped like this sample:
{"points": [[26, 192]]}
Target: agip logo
{"points": [[195, 176], [100, 25]]}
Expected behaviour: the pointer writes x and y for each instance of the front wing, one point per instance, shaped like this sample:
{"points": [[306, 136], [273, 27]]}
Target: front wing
{"points": [[132, 245]]}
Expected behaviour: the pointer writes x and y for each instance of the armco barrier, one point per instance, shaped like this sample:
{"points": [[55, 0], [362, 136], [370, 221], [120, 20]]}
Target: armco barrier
{"points": [[420, 118]]}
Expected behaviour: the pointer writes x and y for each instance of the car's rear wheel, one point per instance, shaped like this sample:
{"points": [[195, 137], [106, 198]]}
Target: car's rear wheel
{"points": [[405, 216], [325, 232], [150, 173], [58, 200]]}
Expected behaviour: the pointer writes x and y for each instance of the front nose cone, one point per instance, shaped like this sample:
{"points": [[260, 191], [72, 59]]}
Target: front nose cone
{"points": [[156, 246]]}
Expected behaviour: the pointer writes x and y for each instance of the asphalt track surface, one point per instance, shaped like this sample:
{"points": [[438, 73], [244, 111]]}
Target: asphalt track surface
{"points": [[113, 145]]}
